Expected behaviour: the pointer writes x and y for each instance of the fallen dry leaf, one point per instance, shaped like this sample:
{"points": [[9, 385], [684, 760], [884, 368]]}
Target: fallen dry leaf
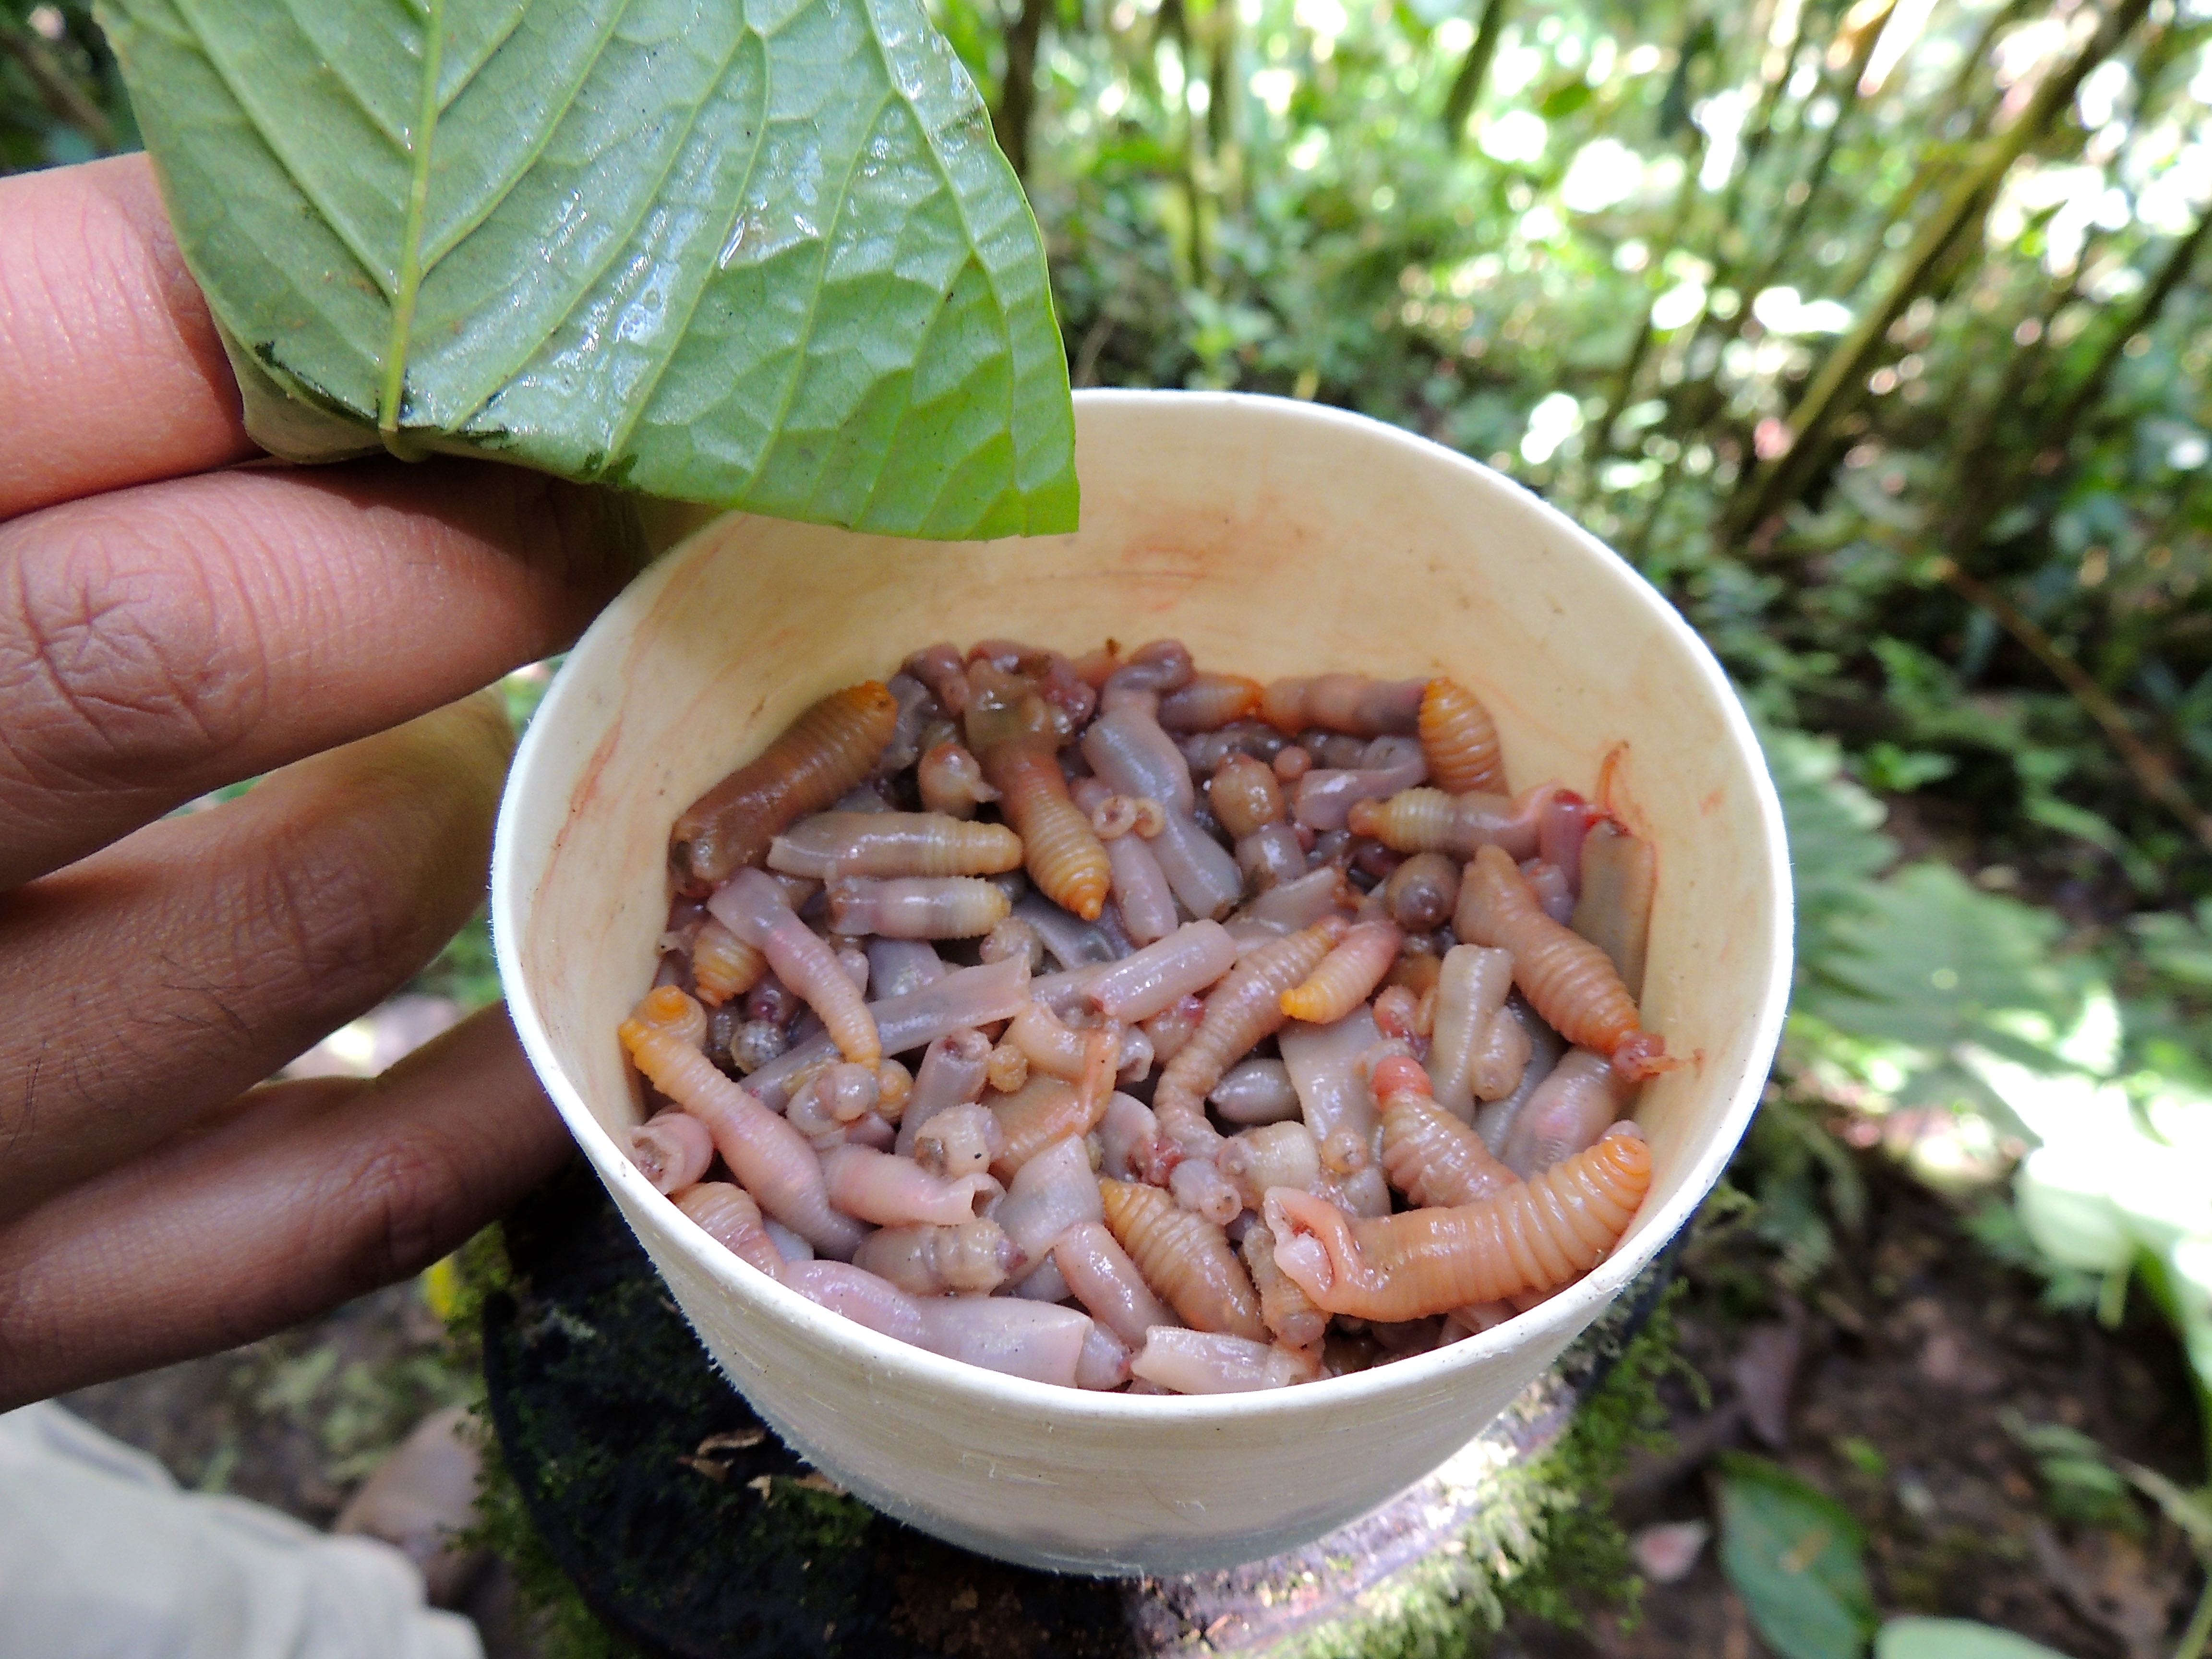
{"points": [[1666, 1552]]}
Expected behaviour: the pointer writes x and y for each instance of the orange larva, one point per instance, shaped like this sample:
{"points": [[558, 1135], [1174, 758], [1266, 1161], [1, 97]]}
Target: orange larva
{"points": [[823, 753], [1428, 1153], [1284, 1308], [1184, 1258], [1459, 740], [1246, 1006], [723, 965], [1007, 1069], [1572, 982], [733, 1221], [672, 1009], [1244, 795], [1208, 701], [1042, 1113], [1424, 820], [1059, 848], [1533, 1236], [951, 780], [1346, 975]]}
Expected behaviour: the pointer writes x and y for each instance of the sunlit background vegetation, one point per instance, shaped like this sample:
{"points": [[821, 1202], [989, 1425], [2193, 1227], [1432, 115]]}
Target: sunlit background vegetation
{"points": [[1877, 335]]}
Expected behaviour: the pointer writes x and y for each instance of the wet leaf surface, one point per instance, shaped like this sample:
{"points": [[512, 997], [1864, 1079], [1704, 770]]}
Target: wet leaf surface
{"points": [[761, 255], [1796, 1557]]}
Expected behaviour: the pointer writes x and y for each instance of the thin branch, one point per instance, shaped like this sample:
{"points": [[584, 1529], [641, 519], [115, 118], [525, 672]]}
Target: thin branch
{"points": [[1225, 122], [2152, 770], [1783, 243], [1473, 70], [1086, 370], [2170, 277], [1842, 381], [1979, 480], [1009, 122], [2199, 1632], [1639, 347], [1954, 96], [56, 87]]}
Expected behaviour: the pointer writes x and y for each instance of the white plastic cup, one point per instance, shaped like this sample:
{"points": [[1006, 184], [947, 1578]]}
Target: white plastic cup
{"points": [[1274, 537]]}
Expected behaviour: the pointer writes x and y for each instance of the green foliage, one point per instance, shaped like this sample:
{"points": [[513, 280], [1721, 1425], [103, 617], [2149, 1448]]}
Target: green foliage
{"points": [[2079, 1486], [1583, 1562], [2179, 948], [1836, 844], [1931, 963], [1795, 1556], [560, 1625], [1995, 1226], [793, 273], [1805, 1189], [1545, 1543], [61, 97], [1798, 1558], [1622, 275]]}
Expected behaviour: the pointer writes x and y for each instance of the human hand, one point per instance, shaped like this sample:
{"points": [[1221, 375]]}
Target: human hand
{"points": [[167, 626]]}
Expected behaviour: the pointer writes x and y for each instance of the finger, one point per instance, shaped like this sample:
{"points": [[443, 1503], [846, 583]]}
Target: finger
{"points": [[157, 643], [159, 978], [299, 1197], [111, 372]]}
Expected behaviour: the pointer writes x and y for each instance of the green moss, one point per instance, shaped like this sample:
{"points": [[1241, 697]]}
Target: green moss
{"points": [[560, 1625], [823, 1521], [1545, 1543]]}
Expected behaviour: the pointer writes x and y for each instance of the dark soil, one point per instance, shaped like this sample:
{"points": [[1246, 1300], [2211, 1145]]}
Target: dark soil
{"points": [[1914, 1350]]}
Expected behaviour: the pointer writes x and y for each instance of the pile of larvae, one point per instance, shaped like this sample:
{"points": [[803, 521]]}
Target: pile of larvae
{"points": [[1118, 1025]]}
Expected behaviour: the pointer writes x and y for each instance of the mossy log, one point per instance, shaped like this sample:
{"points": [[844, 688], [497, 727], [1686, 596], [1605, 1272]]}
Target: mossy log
{"points": [[649, 1511]]}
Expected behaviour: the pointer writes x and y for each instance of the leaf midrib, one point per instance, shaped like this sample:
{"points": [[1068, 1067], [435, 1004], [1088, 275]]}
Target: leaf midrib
{"points": [[634, 411], [976, 253], [527, 158], [266, 132], [409, 281]]}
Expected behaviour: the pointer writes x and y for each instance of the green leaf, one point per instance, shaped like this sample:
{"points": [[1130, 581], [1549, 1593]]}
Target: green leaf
{"points": [[1565, 98], [1836, 844], [759, 253], [2177, 947], [1954, 1638], [1795, 1556], [1932, 962]]}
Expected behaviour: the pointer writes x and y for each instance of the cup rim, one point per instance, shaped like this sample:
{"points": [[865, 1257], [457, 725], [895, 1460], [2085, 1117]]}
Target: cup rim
{"points": [[1555, 1321]]}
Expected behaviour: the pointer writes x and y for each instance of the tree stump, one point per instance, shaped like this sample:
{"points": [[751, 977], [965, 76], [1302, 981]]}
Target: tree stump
{"points": [[687, 1527]]}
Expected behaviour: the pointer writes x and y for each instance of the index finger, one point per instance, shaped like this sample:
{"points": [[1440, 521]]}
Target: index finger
{"points": [[111, 370]]}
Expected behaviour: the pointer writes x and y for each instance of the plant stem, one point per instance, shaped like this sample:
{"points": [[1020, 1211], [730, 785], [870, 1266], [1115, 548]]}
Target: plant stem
{"points": [[1639, 347], [1473, 70], [57, 88], [1709, 398], [1841, 382], [1009, 122], [1981, 478], [392, 407], [1222, 124], [2152, 770], [1901, 205], [2170, 277]]}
